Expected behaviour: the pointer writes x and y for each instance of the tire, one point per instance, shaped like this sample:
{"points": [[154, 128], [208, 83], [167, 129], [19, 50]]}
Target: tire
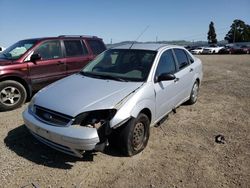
{"points": [[194, 93], [133, 136], [12, 95]]}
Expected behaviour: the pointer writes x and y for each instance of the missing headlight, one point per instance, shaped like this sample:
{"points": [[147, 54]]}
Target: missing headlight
{"points": [[96, 123], [94, 119]]}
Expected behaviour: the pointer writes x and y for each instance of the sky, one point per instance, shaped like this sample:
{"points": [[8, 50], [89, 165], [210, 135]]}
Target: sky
{"points": [[119, 20]]}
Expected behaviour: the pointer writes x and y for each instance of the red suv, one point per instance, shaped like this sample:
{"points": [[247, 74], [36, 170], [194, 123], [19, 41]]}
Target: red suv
{"points": [[31, 64]]}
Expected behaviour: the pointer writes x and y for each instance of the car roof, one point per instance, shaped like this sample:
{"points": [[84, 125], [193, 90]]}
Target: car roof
{"points": [[145, 46], [66, 37]]}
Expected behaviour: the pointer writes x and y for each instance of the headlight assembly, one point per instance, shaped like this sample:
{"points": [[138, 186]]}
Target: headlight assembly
{"points": [[94, 119]]}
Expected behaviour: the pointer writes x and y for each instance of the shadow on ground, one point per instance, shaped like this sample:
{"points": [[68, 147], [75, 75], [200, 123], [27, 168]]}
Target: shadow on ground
{"points": [[20, 141], [25, 145]]}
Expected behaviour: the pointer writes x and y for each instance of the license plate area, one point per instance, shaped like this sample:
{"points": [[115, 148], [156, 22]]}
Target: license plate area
{"points": [[43, 133]]}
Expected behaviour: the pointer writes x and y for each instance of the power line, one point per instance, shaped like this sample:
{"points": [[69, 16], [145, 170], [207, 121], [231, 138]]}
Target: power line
{"points": [[204, 34]]}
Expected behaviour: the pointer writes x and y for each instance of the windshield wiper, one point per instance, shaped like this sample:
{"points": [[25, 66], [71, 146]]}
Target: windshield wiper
{"points": [[102, 76], [110, 77]]}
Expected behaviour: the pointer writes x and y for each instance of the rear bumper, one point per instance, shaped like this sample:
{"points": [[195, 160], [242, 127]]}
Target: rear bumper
{"points": [[73, 140]]}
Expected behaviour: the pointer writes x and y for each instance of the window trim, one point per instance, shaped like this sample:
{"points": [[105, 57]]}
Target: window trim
{"points": [[188, 54], [175, 62], [178, 69], [83, 51], [43, 42], [99, 41]]}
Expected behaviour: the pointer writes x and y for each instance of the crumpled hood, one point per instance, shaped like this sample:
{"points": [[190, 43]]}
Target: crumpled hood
{"points": [[76, 94]]}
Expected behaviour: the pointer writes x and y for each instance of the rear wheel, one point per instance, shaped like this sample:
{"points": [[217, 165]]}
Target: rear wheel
{"points": [[194, 93], [12, 95]]}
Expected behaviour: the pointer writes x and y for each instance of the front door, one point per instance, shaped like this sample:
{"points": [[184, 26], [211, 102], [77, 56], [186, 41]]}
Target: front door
{"points": [[165, 90], [50, 68]]}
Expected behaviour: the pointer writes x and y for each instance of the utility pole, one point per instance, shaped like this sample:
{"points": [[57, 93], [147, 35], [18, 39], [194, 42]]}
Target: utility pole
{"points": [[111, 41], [156, 39]]}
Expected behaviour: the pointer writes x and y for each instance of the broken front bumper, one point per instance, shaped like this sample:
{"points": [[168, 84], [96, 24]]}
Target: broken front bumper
{"points": [[73, 140]]}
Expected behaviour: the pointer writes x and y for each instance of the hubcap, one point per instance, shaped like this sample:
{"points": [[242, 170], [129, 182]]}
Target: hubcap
{"points": [[138, 136], [10, 96], [195, 92]]}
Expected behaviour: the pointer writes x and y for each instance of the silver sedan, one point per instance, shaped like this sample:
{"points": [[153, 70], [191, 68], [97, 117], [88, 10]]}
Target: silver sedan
{"points": [[115, 99]]}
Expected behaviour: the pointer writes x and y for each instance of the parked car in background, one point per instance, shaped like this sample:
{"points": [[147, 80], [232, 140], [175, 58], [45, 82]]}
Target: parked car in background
{"points": [[245, 49], [226, 50], [198, 50], [115, 99], [31, 64], [211, 50], [235, 50], [190, 48]]}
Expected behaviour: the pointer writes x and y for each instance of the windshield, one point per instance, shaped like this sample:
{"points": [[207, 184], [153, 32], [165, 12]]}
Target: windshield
{"points": [[17, 50], [121, 65]]}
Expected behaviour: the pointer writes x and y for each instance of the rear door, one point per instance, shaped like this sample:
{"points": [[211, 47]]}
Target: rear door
{"points": [[77, 55], [50, 68], [184, 75]]}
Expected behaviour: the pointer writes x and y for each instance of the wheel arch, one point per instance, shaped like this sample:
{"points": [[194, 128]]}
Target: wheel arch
{"points": [[198, 80], [19, 80], [147, 112]]}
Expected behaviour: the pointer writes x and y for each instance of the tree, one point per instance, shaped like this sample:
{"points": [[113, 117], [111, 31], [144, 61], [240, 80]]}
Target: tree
{"points": [[239, 32], [211, 35]]}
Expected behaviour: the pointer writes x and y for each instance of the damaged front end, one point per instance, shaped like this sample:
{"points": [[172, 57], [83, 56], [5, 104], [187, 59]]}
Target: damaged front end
{"points": [[99, 120]]}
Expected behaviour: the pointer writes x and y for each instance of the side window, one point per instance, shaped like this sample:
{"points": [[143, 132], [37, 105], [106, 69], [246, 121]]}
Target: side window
{"points": [[96, 46], [166, 63], [114, 57], [181, 58], [74, 48], [49, 50], [191, 60]]}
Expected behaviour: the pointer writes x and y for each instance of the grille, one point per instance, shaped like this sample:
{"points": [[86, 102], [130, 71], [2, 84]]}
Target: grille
{"points": [[51, 117]]}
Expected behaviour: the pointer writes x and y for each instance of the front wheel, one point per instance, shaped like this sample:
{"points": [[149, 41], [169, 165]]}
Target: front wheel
{"points": [[133, 136], [194, 93], [12, 95]]}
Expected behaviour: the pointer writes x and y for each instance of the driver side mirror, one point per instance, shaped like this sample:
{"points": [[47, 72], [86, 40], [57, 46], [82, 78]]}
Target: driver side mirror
{"points": [[35, 57], [165, 77]]}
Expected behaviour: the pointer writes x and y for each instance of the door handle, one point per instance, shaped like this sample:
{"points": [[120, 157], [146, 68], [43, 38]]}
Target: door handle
{"points": [[191, 70], [176, 79]]}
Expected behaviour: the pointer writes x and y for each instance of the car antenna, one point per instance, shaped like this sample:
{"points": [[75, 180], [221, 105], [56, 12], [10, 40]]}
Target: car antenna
{"points": [[139, 36]]}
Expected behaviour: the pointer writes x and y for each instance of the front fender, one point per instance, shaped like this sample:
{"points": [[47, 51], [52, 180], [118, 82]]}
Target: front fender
{"points": [[124, 114], [144, 104]]}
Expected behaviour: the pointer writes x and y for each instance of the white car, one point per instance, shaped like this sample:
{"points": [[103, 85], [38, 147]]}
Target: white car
{"points": [[115, 99], [198, 50], [212, 50]]}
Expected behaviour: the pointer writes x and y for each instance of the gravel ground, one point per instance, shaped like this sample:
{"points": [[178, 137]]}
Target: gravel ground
{"points": [[180, 153]]}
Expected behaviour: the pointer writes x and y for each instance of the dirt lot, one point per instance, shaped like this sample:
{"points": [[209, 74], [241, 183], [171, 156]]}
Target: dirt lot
{"points": [[182, 153]]}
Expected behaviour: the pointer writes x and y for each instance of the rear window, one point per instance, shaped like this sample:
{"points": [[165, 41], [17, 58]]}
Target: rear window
{"points": [[181, 58], [74, 48], [191, 60], [96, 46]]}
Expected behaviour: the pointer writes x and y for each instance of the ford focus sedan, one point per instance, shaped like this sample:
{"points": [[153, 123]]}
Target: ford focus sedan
{"points": [[115, 99]]}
